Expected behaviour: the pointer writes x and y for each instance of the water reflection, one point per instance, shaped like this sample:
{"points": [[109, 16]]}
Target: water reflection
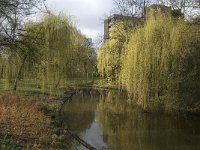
{"points": [[80, 113], [107, 121]]}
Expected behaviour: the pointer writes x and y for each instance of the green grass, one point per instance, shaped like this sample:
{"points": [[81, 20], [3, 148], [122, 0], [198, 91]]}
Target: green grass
{"points": [[8, 143], [28, 87]]}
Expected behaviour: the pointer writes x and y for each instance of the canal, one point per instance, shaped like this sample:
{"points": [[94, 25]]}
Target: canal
{"points": [[106, 120]]}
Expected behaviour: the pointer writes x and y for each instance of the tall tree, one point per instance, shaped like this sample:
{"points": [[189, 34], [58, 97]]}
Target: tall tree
{"points": [[51, 51]]}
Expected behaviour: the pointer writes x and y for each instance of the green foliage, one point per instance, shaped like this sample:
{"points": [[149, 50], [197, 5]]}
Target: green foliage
{"points": [[49, 52], [9, 144], [110, 54], [58, 142], [109, 60], [160, 63]]}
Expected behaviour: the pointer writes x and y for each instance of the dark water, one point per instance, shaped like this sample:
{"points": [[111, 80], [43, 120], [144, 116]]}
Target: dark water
{"points": [[106, 121]]}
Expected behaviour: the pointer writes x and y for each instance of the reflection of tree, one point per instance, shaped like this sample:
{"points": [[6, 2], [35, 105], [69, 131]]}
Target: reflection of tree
{"points": [[112, 116], [78, 115], [127, 128]]}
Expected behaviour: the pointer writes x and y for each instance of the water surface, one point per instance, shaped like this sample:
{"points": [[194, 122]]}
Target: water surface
{"points": [[105, 120]]}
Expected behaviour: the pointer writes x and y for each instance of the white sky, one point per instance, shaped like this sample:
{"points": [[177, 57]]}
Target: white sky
{"points": [[88, 15]]}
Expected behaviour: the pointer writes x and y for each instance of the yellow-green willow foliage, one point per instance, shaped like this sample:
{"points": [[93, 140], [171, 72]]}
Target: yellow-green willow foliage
{"points": [[68, 53], [109, 58], [162, 63], [50, 52], [53, 67]]}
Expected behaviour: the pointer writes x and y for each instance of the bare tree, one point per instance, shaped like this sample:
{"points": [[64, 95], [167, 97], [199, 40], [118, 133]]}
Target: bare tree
{"points": [[191, 8], [127, 16], [130, 7], [12, 15]]}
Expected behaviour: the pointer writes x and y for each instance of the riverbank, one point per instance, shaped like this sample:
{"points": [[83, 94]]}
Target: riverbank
{"points": [[29, 117], [30, 121], [159, 106]]}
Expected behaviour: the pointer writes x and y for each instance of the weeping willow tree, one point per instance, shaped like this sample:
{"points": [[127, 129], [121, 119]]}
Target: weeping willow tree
{"points": [[53, 67], [161, 63], [49, 52], [157, 64], [109, 58], [84, 56], [68, 53]]}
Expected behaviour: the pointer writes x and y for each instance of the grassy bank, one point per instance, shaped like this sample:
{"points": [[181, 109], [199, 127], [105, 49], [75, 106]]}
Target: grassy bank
{"points": [[29, 117]]}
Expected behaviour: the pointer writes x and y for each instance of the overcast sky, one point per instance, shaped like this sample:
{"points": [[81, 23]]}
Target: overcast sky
{"points": [[87, 14]]}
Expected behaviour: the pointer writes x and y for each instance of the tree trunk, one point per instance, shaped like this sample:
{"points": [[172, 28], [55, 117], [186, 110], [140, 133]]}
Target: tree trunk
{"points": [[2, 70], [85, 70], [18, 74], [58, 82]]}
